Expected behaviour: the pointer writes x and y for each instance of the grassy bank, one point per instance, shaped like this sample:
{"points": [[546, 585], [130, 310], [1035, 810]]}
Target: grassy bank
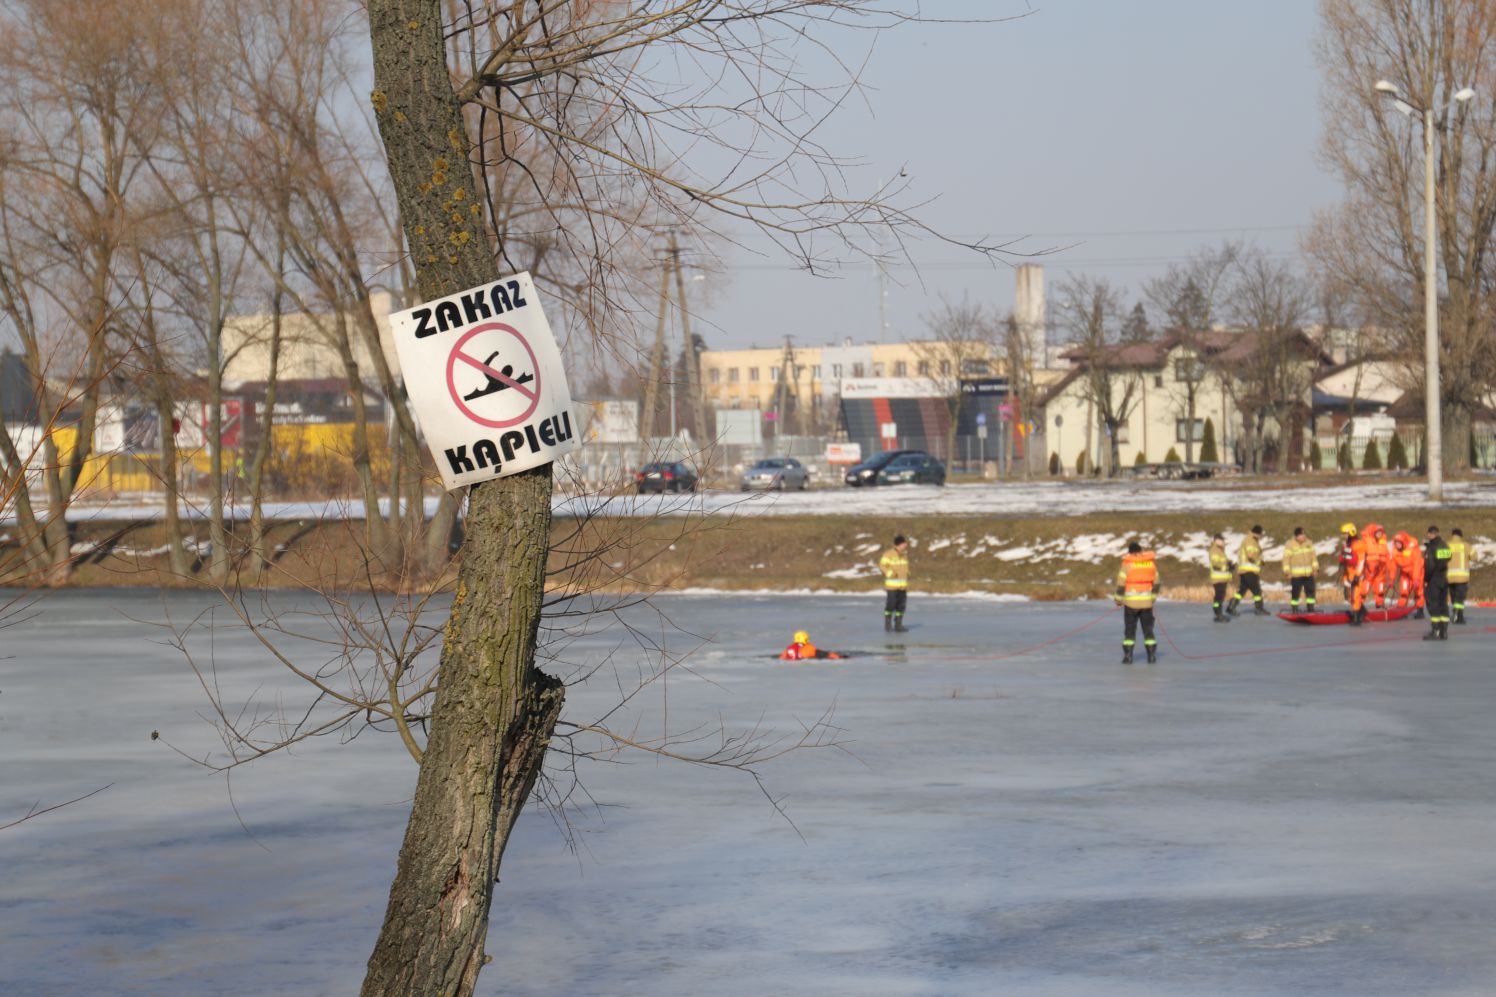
{"points": [[1037, 557]]}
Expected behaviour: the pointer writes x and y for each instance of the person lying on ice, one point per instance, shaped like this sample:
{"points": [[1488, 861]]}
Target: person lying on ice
{"points": [[801, 649]]}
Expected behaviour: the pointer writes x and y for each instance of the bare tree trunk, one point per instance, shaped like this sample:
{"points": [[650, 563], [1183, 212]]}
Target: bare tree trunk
{"points": [[374, 534], [258, 556], [494, 711], [177, 556]]}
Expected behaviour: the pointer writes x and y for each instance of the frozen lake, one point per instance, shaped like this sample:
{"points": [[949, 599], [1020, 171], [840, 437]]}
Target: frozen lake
{"points": [[1269, 810]]}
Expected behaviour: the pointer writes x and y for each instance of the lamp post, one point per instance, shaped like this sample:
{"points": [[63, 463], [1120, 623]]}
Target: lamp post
{"points": [[1433, 427]]}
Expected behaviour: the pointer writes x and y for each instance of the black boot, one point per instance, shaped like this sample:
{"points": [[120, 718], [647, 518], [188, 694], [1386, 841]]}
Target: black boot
{"points": [[1152, 654], [1443, 629], [1221, 617], [1459, 616], [1433, 632], [1356, 615], [1418, 613], [887, 622], [1127, 655], [898, 624], [1231, 607], [1261, 610]]}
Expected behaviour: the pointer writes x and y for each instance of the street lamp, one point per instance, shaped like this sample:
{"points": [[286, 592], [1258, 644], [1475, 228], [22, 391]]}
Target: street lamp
{"points": [[1433, 429]]}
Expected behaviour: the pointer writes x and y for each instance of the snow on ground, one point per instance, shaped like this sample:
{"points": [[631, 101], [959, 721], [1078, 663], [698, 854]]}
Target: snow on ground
{"points": [[1046, 498], [1270, 810]]}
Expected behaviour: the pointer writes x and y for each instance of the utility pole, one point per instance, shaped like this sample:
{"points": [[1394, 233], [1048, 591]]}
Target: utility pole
{"points": [[670, 268], [785, 390], [656, 371], [694, 405]]}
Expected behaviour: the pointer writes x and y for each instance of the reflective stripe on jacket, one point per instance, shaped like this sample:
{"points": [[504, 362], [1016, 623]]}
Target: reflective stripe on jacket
{"points": [[1300, 560], [1220, 566], [895, 567], [1249, 555], [1460, 556], [1136, 579]]}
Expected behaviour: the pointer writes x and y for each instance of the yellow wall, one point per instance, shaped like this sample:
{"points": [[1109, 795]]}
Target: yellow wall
{"points": [[315, 456]]}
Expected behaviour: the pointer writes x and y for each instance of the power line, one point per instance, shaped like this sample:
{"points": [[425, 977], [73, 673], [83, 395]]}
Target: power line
{"points": [[1057, 262]]}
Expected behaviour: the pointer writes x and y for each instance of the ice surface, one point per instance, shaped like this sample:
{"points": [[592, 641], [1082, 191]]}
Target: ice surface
{"points": [[1269, 810]]}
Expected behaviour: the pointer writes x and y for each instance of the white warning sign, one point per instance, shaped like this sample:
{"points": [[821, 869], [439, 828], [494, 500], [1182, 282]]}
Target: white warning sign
{"points": [[485, 377]]}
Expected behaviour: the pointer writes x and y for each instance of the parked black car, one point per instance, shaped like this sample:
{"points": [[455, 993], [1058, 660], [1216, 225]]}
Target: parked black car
{"points": [[912, 469], [866, 473], [665, 476]]}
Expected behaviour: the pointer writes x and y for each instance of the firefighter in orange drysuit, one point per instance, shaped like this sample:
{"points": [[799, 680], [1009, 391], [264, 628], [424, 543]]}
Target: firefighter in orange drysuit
{"points": [[801, 649], [1407, 557], [1356, 574], [1375, 567], [1349, 556]]}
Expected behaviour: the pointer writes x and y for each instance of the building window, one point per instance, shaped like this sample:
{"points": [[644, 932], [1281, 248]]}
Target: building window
{"points": [[815, 372], [836, 371], [857, 370], [945, 368], [753, 373], [1158, 380], [1188, 370], [923, 368], [732, 375], [877, 370], [975, 367], [1181, 431], [774, 374], [900, 369], [715, 376]]}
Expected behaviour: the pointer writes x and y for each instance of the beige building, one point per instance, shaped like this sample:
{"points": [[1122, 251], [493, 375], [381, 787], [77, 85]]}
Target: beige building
{"points": [[755, 377], [307, 351]]}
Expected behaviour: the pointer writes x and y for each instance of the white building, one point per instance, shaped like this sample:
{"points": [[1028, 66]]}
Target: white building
{"points": [[1150, 386]]}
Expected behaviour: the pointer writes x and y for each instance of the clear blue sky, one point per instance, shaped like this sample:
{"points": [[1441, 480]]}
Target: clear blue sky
{"points": [[1131, 133]]}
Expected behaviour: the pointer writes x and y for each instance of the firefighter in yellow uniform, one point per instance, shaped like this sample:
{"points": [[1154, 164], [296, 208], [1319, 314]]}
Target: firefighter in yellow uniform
{"points": [[1220, 576], [895, 567], [1300, 565], [1460, 556], [1249, 573], [1137, 587]]}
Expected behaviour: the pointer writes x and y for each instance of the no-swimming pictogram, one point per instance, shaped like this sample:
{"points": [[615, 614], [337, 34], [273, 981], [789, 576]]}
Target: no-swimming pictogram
{"points": [[493, 376]]}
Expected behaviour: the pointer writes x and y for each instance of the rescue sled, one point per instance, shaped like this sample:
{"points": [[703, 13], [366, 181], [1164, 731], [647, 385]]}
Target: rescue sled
{"points": [[1344, 616]]}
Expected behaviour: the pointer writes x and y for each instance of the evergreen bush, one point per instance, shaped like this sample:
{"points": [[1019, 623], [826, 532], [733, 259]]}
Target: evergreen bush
{"points": [[1208, 453], [1054, 464], [1316, 457], [1397, 455], [1172, 457], [1371, 460]]}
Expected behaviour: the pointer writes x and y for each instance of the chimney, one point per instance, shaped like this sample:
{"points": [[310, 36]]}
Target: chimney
{"points": [[1028, 312]]}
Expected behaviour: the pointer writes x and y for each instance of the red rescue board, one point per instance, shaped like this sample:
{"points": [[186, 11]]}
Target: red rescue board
{"points": [[1328, 619]]}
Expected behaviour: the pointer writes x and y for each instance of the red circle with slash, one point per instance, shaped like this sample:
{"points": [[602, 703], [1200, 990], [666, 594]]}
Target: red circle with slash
{"points": [[528, 390]]}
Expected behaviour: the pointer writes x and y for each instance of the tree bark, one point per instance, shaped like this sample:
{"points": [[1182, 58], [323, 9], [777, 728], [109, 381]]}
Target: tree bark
{"points": [[493, 712]]}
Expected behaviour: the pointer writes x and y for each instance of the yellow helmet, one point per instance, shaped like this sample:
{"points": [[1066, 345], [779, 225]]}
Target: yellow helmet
{"points": [[801, 637], [1349, 529]]}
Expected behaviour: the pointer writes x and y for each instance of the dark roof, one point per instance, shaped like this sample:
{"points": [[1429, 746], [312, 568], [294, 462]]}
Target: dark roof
{"points": [[17, 393]]}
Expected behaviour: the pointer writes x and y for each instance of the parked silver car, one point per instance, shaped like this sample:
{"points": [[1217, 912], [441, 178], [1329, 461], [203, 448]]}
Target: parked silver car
{"points": [[778, 473]]}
